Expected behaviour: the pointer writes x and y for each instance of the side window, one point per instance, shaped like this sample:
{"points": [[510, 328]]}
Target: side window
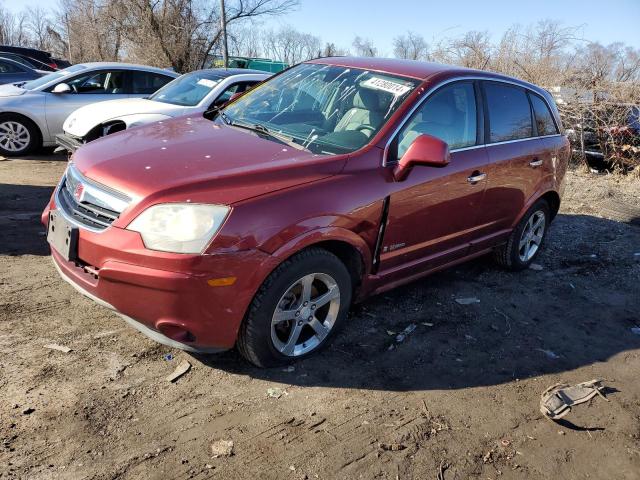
{"points": [[147, 82], [544, 119], [231, 90], [449, 114], [102, 82], [6, 67], [509, 112]]}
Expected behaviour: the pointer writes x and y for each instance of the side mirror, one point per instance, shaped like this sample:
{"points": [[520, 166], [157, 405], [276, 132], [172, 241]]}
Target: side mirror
{"points": [[61, 88], [425, 150]]}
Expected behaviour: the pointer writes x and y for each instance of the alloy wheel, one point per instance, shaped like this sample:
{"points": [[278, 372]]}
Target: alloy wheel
{"points": [[305, 314], [532, 235], [14, 136]]}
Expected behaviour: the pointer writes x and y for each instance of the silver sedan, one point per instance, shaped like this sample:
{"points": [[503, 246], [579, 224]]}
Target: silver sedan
{"points": [[32, 113]]}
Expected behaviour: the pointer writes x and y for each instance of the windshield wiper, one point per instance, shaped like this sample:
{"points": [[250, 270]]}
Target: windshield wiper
{"points": [[261, 129]]}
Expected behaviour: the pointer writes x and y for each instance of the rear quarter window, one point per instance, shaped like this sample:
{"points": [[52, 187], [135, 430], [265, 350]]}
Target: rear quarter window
{"points": [[509, 112], [544, 119]]}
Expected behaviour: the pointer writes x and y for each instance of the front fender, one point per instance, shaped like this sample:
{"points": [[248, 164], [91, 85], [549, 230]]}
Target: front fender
{"points": [[317, 236], [139, 119]]}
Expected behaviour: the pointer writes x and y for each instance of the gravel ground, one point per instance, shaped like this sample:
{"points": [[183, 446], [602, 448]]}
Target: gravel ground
{"points": [[458, 396]]}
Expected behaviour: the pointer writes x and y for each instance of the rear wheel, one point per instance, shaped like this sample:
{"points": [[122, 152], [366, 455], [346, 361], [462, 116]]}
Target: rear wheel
{"points": [[18, 135], [526, 239], [297, 309]]}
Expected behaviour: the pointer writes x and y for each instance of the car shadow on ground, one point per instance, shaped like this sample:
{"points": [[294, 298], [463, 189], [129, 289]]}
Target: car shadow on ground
{"points": [[21, 232], [578, 310]]}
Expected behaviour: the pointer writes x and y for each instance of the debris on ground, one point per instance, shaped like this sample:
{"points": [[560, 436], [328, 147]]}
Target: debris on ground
{"points": [[28, 411], [222, 448], [289, 369], [392, 447], [443, 468], [635, 330], [550, 354], [467, 300], [167, 357], [60, 348], [427, 324], [536, 266], [275, 392], [402, 335], [182, 368], [557, 400]]}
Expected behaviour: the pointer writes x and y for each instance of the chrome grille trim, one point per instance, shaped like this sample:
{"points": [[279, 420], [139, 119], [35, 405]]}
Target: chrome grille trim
{"points": [[96, 208]]}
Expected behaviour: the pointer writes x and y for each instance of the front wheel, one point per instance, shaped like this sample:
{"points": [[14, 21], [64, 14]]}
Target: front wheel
{"points": [[526, 239], [297, 309], [18, 135]]}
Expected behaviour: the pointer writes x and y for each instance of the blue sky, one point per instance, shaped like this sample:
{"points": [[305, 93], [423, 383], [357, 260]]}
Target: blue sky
{"points": [[341, 20]]}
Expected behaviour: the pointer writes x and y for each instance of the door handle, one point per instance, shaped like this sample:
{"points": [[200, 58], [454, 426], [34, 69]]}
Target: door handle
{"points": [[476, 177], [535, 163]]}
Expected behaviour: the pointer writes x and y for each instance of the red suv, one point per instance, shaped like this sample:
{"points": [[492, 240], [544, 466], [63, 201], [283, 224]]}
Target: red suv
{"points": [[258, 224]]}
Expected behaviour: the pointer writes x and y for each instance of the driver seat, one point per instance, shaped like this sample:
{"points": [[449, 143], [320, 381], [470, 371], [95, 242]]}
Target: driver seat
{"points": [[366, 111]]}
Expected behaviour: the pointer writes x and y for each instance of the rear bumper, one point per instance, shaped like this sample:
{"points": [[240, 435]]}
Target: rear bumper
{"points": [[69, 143], [166, 296]]}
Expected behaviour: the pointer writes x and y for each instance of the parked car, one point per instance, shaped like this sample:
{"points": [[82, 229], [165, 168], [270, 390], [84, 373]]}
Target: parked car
{"points": [[32, 113], [192, 93], [14, 72], [256, 225], [37, 59]]}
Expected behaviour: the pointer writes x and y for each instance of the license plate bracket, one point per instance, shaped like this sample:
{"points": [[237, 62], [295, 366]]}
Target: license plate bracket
{"points": [[62, 236]]}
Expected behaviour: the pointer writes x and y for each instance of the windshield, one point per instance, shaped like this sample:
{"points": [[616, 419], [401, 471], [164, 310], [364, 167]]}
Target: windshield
{"points": [[327, 109], [59, 75], [187, 90]]}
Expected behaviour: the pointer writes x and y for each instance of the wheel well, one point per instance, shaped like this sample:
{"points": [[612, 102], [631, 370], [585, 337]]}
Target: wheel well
{"points": [[348, 255], [104, 129], [24, 117], [553, 199]]}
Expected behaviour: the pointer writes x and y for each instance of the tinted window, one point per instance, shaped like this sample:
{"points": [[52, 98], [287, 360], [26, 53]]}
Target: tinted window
{"points": [[544, 119], [102, 82], [509, 112], [6, 67], [147, 82], [449, 114]]}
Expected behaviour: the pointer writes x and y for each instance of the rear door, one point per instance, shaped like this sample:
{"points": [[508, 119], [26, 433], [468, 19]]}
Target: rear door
{"points": [[143, 84], [516, 161], [434, 213]]}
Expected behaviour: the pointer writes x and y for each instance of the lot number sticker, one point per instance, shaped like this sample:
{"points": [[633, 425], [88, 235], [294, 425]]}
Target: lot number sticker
{"points": [[397, 89]]}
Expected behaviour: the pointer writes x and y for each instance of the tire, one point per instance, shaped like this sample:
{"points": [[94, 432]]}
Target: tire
{"points": [[18, 135], [266, 340], [513, 255]]}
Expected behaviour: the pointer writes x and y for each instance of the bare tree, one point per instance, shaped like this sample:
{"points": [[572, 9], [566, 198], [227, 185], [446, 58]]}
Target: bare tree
{"points": [[291, 46], [364, 47], [411, 46]]}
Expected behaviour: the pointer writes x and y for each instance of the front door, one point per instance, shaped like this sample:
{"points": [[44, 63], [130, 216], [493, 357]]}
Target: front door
{"points": [[86, 88], [434, 213]]}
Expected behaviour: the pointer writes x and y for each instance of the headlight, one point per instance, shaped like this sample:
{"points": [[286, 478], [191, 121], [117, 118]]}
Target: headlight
{"points": [[179, 227]]}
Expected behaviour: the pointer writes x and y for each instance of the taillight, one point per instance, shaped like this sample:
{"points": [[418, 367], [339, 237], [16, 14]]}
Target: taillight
{"points": [[53, 65]]}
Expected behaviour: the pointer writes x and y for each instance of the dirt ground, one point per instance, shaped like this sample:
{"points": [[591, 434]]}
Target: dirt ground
{"points": [[458, 397]]}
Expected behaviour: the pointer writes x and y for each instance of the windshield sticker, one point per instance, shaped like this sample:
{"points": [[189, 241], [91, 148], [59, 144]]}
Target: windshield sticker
{"points": [[397, 89], [207, 83]]}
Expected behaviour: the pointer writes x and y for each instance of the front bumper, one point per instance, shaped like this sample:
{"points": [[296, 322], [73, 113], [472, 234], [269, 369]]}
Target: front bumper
{"points": [[162, 294], [68, 142]]}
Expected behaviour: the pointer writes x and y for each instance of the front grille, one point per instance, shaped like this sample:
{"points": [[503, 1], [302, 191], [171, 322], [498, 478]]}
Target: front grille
{"points": [[87, 203]]}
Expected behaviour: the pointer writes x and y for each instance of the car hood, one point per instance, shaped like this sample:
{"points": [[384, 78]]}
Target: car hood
{"points": [[9, 90], [84, 119], [197, 160]]}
